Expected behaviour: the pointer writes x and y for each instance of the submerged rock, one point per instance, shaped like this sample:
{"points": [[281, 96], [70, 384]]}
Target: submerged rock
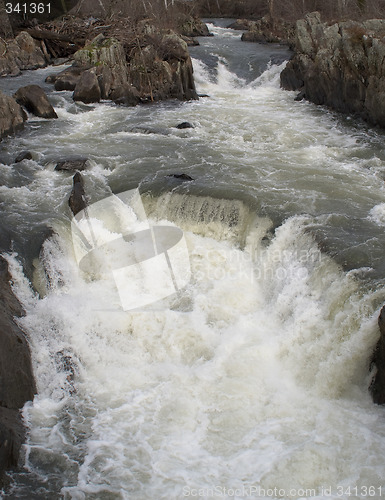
{"points": [[35, 100], [12, 115], [77, 200], [184, 125], [182, 177], [24, 155], [72, 165]]}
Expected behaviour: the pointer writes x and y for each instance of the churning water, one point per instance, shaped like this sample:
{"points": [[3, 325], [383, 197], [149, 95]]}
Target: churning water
{"points": [[252, 381]]}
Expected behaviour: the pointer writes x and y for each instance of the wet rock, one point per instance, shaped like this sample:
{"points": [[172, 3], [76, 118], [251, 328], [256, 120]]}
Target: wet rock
{"points": [[378, 385], [126, 95], [35, 100], [68, 78], [24, 155], [17, 385], [182, 177], [87, 89], [184, 125], [77, 200], [72, 165], [12, 115]]}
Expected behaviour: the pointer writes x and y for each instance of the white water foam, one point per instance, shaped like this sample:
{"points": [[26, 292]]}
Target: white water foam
{"points": [[261, 383]]}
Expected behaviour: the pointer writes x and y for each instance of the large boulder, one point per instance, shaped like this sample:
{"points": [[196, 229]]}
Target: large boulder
{"points": [[35, 100], [68, 78], [17, 385], [340, 66], [12, 116], [87, 89]]}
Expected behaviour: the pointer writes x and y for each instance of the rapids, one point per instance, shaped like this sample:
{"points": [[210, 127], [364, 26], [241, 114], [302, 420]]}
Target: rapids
{"points": [[252, 380]]}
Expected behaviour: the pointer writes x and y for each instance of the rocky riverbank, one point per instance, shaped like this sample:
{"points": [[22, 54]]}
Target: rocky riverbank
{"points": [[340, 66], [17, 384]]}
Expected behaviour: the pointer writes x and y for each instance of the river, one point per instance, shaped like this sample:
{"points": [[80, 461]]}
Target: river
{"points": [[251, 380]]}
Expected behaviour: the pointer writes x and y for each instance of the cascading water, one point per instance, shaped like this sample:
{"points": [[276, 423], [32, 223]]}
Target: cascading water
{"points": [[252, 382]]}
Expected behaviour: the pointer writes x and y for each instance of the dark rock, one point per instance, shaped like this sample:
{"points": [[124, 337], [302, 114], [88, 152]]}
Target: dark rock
{"points": [[184, 125], [182, 177], [378, 386], [72, 165], [34, 99], [12, 115], [126, 95], [12, 437], [67, 79], [77, 200], [240, 24], [24, 155], [301, 96], [87, 89], [17, 385]]}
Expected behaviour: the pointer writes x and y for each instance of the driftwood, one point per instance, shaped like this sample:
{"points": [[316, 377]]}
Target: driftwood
{"points": [[40, 34], [56, 44]]}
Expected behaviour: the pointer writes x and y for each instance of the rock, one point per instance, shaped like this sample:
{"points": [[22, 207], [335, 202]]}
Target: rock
{"points": [[239, 24], [24, 155], [12, 437], [17, 385], [35, 100], [182, 177], [126, 95], [22, 53], [378, 385], [184, 125], [68, 78], [340, 66], [12, 115], [72, 165], [87, 89], [77, 200], [192, 27], [268, 30]]}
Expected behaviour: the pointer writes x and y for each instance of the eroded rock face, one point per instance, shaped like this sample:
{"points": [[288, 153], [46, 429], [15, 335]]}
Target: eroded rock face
{"points": [[35, 100], [157, 67], [22, 53], [340, 66], [12, 116], [17, 385]]}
